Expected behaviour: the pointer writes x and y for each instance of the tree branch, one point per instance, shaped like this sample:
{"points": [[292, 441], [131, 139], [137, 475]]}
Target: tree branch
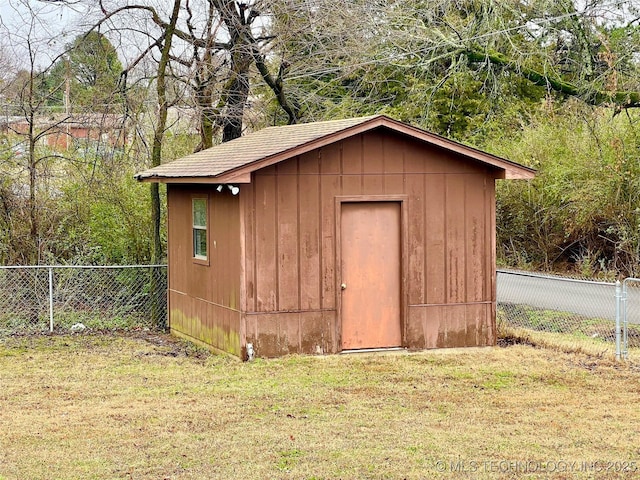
{"points": [[276, 85], [620, 100]]}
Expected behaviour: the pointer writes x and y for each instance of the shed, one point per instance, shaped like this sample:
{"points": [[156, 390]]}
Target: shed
{"points": [[326, 237]]}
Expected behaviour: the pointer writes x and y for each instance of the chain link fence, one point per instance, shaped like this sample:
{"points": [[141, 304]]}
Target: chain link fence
{"points": [[64, 298], [57, 298], [575, 311]]}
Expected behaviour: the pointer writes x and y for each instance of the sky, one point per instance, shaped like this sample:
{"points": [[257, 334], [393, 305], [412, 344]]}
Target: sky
{"points": [[48, 31]]}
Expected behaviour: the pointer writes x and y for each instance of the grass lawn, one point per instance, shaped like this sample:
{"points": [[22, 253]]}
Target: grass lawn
{"points": [[152, 407]]}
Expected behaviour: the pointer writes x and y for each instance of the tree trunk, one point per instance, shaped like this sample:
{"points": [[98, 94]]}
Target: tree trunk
{"points": [[236, 89], [237, 94], [156, 158]]}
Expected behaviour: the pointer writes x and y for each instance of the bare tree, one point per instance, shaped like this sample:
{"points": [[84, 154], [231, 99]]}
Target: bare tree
{"points": [[213, 57], [27, 99]]}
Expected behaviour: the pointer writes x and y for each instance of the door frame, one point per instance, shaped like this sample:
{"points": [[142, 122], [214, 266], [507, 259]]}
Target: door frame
{"points": [[404, 257]]}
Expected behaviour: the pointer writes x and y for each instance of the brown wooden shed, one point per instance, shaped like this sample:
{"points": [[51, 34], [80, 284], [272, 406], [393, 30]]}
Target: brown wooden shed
{"points": [[332, 236]]}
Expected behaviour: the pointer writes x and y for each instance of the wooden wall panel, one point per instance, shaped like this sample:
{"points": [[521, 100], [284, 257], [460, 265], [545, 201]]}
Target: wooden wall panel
{"points": [[393, 148], [372, 163], [415, 332], [291, 272], [475, 238], [266, 253], [224, 249], [435, 225], [287, 272], [206, 323], [475, 319], [455, 215], [248, 251], [330, 186], [352, 180], [310, 224], [278, 334], [204, 298], [417, 219], [313, 333], [218, 282], [452, 328], [179, 245], [445, 326], [490, 258]]}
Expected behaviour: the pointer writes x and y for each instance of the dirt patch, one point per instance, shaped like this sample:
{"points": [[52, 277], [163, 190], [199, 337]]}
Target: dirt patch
{"points": [[511, 340], [168, 345]]}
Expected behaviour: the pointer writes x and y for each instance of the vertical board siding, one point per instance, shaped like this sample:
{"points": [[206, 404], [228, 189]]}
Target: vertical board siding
{"points": [[291, 270], [308, 208], [475, 246], [248, 222], [434, 224], [455, 218], [266, 253], [393, 154], [288, 238], [373, 164], [204, 299], [351, 167], [416, 210], [490, 222], [330, 159], [283, 333]]}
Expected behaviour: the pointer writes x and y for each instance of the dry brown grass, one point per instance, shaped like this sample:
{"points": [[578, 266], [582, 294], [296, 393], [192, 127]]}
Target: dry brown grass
{"points": [[567, 343], [152, 407]]}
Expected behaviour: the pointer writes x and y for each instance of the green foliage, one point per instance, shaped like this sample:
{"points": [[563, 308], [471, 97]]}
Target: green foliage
{"points": [[91, 72], [90, 210], [582, 212], [107, 218]]}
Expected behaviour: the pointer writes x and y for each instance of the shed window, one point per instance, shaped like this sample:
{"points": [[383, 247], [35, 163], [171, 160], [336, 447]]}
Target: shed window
{"points": [[200, 215]]}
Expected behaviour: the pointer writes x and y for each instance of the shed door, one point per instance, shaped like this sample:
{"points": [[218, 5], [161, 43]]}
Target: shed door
{"points": [[371, 269]]}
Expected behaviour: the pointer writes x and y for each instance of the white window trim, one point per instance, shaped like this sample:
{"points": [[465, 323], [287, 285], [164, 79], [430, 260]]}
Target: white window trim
{"points": [[202, 259]]}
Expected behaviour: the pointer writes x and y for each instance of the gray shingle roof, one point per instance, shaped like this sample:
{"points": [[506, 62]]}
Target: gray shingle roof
{"points": [[273, 144], [249, 149]]}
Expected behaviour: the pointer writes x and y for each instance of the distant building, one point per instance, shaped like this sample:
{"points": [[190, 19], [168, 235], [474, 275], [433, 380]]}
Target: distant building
{"points": [[63, 131]]}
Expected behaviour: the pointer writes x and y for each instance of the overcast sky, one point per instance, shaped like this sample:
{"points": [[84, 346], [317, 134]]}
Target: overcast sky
{"points": [[49, 27]]}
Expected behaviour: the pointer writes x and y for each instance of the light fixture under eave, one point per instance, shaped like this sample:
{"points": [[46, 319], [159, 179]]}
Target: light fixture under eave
{"points": [[234, 190], [219, 188]]}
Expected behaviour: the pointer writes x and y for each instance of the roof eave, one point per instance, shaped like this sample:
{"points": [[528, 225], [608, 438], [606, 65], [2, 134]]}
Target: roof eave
{"points": [[195, 179], [511, 169], [242, 174], [521, 173]]}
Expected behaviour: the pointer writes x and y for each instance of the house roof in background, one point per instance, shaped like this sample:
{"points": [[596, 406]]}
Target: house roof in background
{"points": [[76, 120], [233, 162]]}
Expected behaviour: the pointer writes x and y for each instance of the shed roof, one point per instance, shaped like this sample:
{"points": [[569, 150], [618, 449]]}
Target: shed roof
{"points": [[233, 162]]}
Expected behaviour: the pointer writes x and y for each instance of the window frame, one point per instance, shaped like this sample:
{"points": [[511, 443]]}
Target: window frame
{"points": [[200, 259]]}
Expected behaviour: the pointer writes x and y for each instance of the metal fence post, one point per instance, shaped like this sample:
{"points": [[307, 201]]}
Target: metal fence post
{"points": [[50, 300], [618, 312], [625, 321]]}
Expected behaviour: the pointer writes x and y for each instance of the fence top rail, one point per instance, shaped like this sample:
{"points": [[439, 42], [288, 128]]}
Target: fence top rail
{"points": [[629, 280], [88, 267], [554, 277]]}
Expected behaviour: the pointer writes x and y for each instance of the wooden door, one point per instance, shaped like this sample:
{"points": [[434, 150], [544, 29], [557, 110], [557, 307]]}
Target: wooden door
{"points": [[371, 271]]}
